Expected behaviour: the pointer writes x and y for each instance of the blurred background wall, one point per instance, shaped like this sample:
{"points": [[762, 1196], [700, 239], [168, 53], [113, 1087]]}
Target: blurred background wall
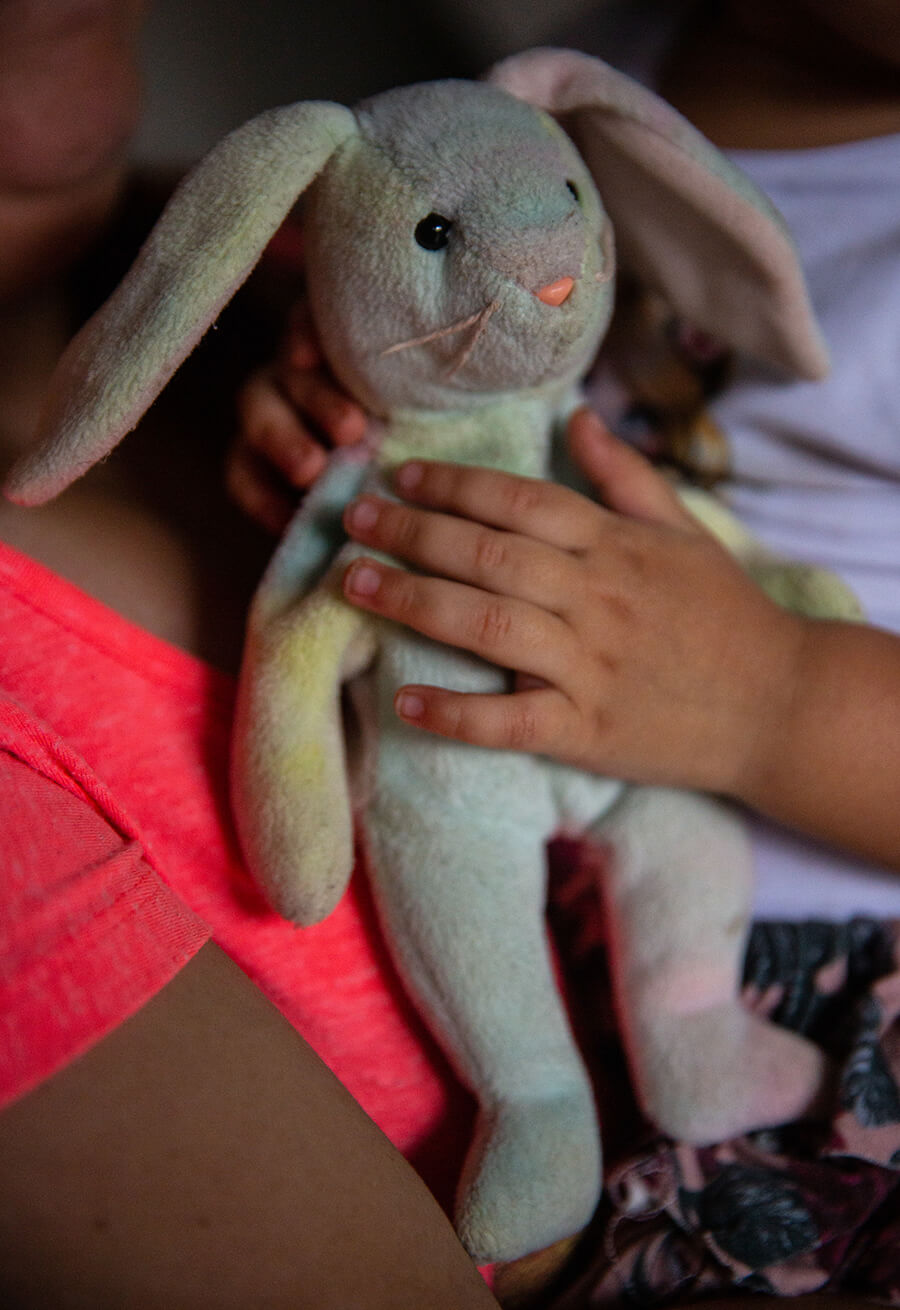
{"points": [[210, 64]]}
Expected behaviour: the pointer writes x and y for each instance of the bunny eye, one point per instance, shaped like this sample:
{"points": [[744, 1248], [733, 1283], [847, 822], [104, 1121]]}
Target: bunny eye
{"points": [[573, 190], [433, 232]]}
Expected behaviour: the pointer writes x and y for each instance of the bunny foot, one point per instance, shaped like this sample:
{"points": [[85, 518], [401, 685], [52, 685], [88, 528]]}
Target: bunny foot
{"points": [[532, 1176], [719, 1073]]}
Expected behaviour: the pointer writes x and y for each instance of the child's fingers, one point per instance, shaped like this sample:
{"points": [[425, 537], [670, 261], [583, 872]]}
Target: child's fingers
{"points": [[303, 375], [272, 429], [542, 510], [627, 482], [506, 632], [300, 348], [252, 487], [539, 720], [505, 563], [317, 398]]}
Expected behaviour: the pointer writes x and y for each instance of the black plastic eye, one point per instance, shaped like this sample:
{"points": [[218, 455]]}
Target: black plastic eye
{"points": [[574, 191], [433, 232]]}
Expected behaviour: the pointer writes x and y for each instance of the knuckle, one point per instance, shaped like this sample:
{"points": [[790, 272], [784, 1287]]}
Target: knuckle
{"points": [[635, 560], [400, 591], [625, 556], [402, 529], [448, 486], [453, 714], [601, 725], [491, 623], [523, 497], [604, 601], [521, 725], [489, 551]]}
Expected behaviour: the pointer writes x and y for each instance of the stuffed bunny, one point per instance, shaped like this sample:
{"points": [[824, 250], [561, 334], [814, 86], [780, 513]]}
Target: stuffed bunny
{"points": [[460, 271]]}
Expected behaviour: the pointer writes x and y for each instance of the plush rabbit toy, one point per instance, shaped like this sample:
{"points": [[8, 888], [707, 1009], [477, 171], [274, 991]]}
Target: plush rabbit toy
{"points": [[460, 271]]}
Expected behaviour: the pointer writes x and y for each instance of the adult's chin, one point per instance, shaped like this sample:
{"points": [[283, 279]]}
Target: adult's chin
{"points": [[43, 233], [69, 91]]}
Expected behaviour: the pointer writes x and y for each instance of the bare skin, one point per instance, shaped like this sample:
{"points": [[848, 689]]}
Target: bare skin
{"points": [[201, 1155], [69, 100]]}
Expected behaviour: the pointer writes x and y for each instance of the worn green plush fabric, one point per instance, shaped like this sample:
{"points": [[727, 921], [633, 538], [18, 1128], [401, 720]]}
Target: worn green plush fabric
{"points": [[434, 215]]}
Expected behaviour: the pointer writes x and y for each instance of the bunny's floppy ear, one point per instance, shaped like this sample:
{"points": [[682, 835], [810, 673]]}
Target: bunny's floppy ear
{"points": [[687, 222], [208, 239]]}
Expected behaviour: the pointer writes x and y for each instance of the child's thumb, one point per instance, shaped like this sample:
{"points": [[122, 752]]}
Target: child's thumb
{"points": [[625, 480]]}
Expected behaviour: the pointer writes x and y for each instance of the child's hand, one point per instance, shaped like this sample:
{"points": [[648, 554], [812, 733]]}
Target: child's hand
{"points": [[648, 653], [289, 413]]}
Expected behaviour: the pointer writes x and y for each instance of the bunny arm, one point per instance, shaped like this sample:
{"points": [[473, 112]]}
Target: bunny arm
{"points": [[313, 537], [290, 790], [290, 784]]}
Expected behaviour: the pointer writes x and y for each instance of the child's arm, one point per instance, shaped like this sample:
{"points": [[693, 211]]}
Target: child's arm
{"points": [[658, 660]]}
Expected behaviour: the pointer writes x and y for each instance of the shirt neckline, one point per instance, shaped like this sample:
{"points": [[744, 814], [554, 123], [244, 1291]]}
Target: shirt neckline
{"points": [[125, 641]]}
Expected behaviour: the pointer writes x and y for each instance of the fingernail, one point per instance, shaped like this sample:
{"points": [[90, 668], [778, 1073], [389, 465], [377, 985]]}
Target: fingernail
{"points": [[363, 580], [409, 476], [362, 516], [410, 706]]}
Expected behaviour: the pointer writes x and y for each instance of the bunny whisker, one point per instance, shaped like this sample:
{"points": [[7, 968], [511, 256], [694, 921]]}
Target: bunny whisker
{"points": [[459, 326], [481, 323], [478, 320]]}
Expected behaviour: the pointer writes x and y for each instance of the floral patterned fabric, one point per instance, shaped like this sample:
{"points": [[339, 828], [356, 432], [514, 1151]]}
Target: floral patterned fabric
{"points": [[810, 1207]]}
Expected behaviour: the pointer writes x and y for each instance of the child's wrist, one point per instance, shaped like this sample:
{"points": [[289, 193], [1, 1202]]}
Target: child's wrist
{"points": [[772, 711]]}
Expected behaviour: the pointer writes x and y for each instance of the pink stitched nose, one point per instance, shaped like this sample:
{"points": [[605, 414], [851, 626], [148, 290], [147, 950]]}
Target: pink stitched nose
{"points": [[554, 293]]}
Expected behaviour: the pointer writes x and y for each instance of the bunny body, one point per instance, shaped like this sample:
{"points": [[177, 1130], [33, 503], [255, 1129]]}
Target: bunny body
{"points": [[462, 349]]}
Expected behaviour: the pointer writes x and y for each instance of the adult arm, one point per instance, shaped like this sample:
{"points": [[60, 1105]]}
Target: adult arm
{"points": [[202, 1155]]}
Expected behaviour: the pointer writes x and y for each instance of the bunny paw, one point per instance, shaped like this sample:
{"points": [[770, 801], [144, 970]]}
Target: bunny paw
{"points": [[532, 1176]]}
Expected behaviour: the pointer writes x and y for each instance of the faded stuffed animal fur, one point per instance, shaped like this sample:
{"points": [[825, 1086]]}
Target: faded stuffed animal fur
{"points": [[435, 215]]}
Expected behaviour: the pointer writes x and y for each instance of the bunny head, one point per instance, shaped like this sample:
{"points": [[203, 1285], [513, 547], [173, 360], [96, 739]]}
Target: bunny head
{"points": [[457, 249]]}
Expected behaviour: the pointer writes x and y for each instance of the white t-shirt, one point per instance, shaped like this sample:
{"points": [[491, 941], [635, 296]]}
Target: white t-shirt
{"points": [[817, 465]]}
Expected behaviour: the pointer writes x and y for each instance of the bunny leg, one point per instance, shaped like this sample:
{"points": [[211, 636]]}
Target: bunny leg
{"points": [[678, 894], [461, 893]]}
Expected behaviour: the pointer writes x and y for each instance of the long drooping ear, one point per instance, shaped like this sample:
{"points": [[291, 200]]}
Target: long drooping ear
{"points": [[687, 221], [205, 244]]}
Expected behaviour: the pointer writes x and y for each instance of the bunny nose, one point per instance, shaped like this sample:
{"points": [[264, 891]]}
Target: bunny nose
{"points": [[554, 293]]}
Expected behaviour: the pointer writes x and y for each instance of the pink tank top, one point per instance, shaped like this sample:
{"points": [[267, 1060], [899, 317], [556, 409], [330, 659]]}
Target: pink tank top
{"points": [[118, 861]]}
